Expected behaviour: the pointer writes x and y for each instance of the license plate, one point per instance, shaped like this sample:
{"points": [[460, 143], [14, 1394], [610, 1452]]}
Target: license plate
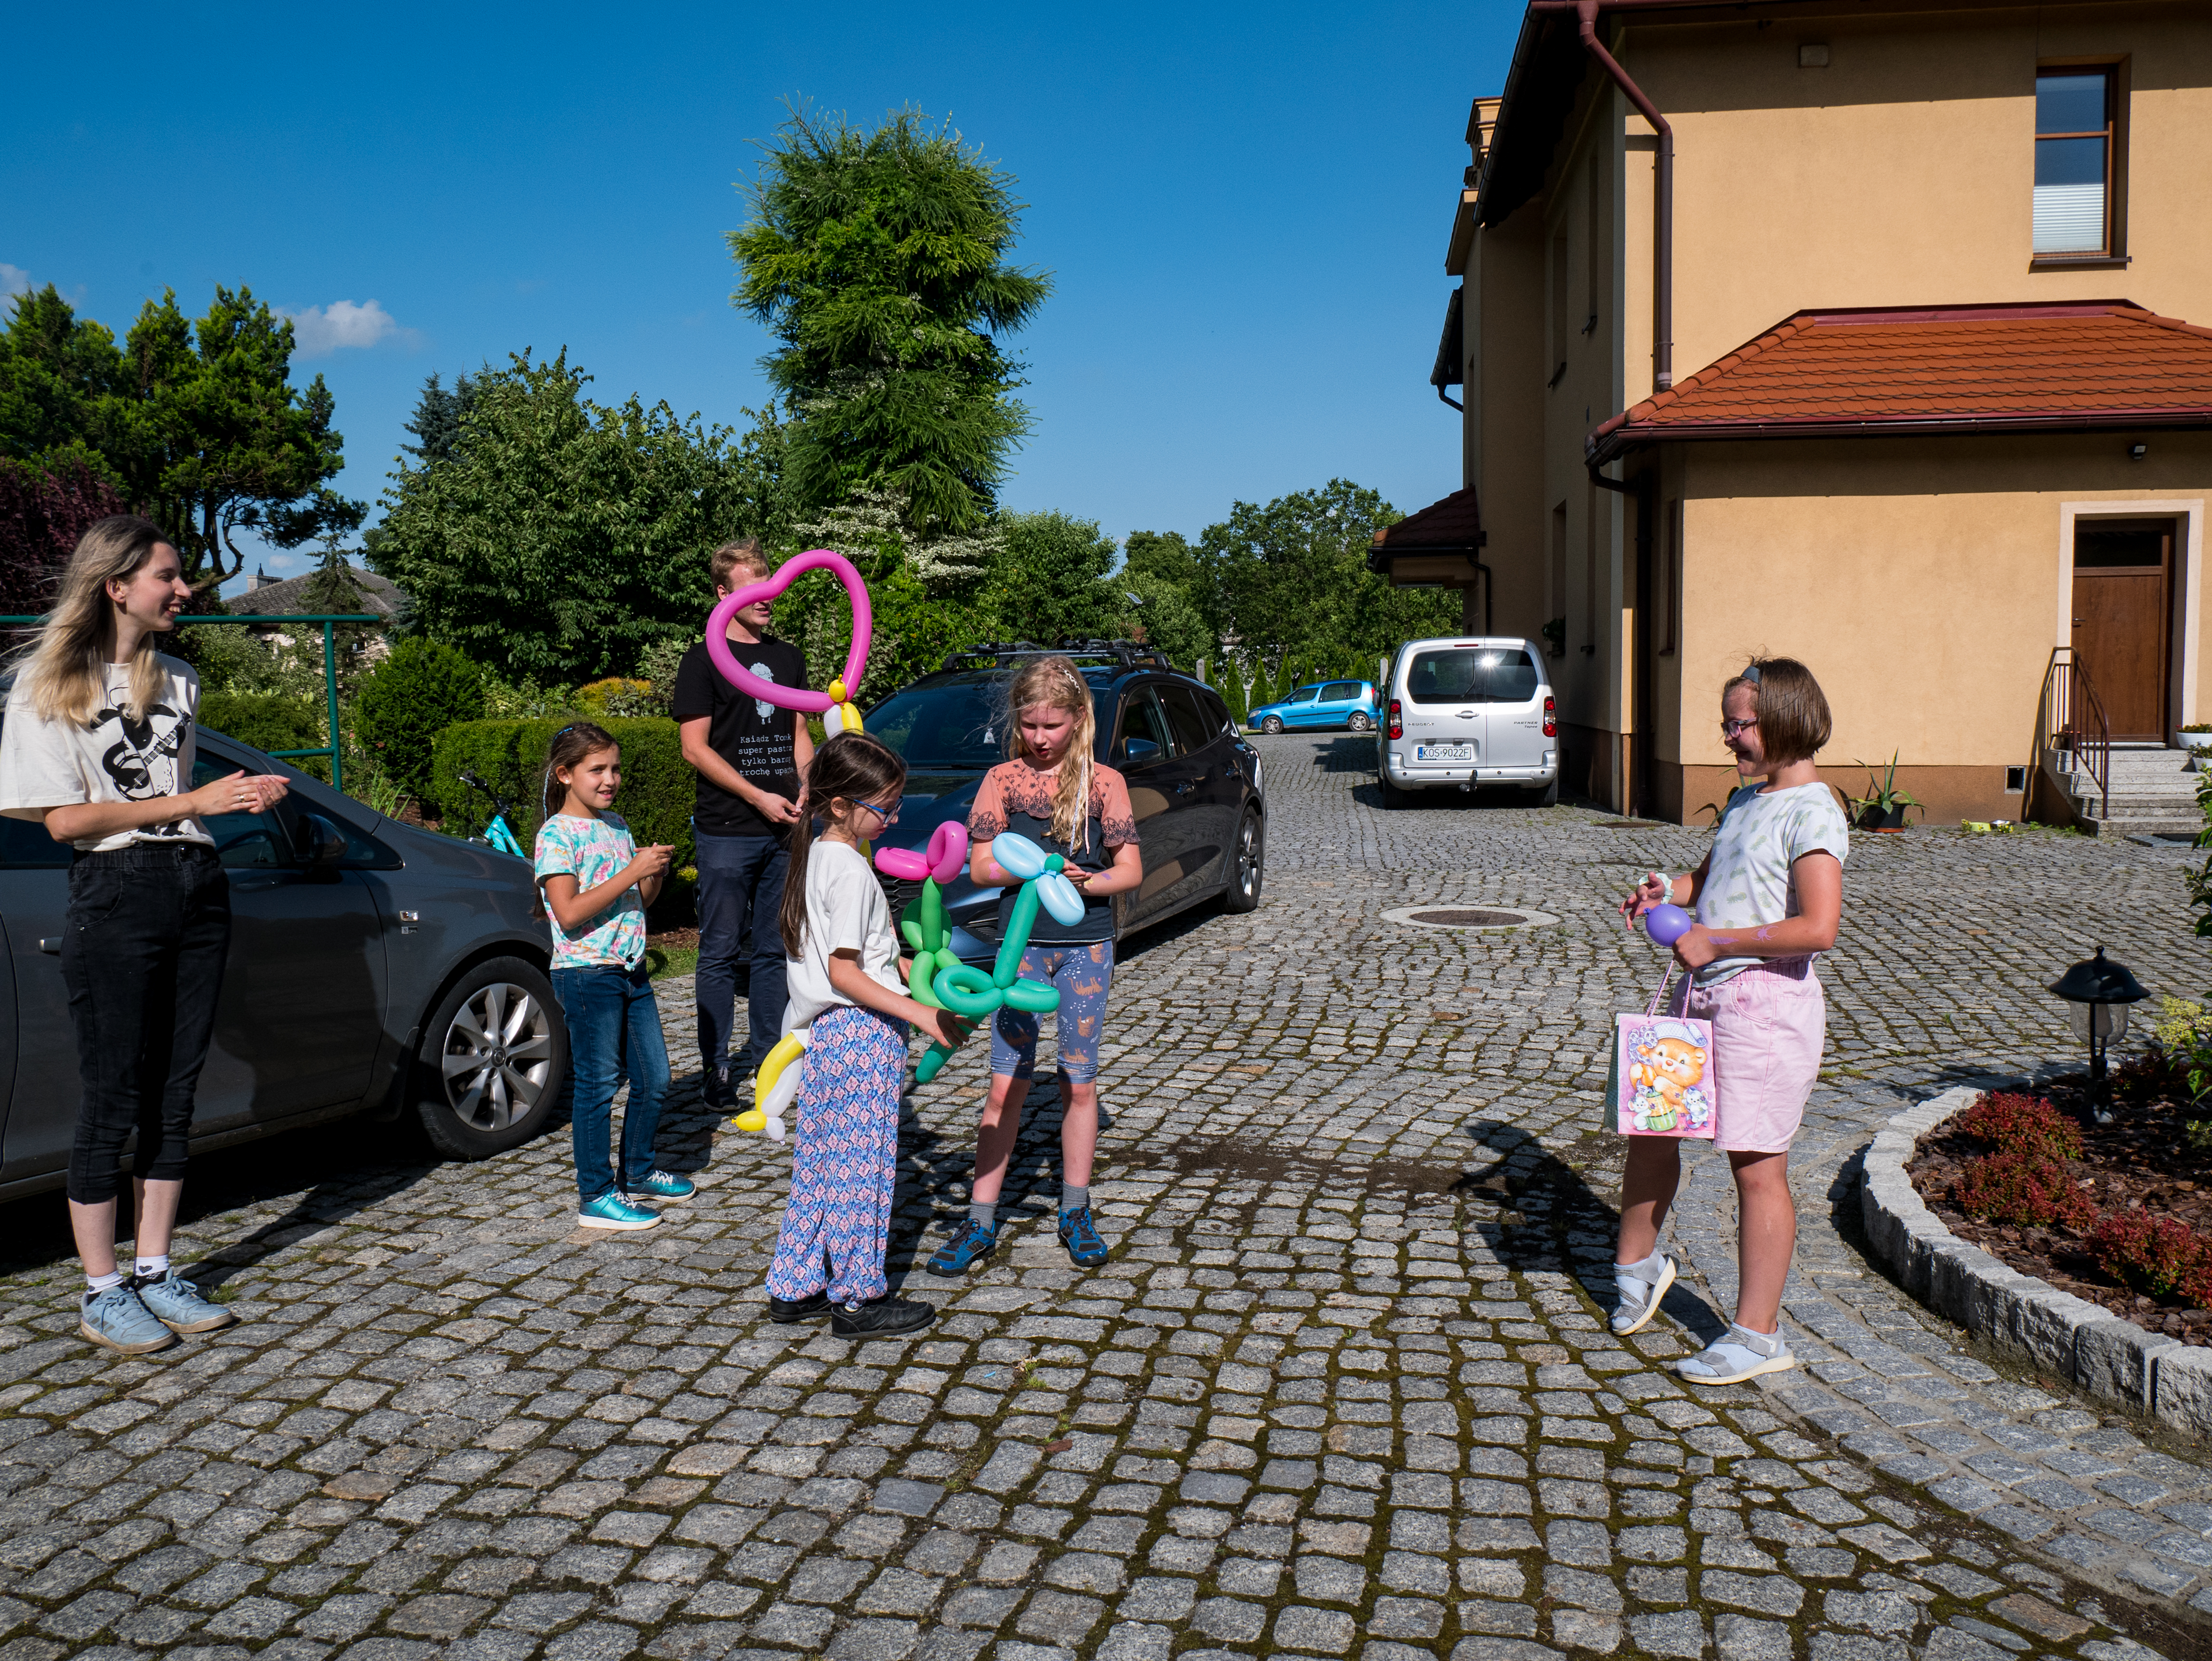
{"points": [[1443, 752]]}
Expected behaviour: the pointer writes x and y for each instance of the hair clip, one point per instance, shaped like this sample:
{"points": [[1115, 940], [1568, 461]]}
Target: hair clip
{"points": [[1751, 673]]}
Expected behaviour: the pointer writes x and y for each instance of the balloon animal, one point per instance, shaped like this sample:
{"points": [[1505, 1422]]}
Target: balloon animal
{"points": [[834, 706]]}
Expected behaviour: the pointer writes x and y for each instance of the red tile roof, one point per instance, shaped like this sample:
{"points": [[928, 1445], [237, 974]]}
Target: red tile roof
{"points": [[1455, 522], [2099, 363]]}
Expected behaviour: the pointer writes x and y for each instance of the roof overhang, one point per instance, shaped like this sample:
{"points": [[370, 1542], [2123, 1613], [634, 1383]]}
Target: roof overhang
{"points": [[1438, 547]]}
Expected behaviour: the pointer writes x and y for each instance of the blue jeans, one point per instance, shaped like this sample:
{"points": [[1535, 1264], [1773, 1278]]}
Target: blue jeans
{"points": [[740, 878], [614, 1028]]}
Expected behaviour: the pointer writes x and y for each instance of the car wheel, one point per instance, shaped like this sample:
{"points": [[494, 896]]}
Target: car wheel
{"points": [[494, 1060], [1247, 865], [1362, 723], [1271, 724]]}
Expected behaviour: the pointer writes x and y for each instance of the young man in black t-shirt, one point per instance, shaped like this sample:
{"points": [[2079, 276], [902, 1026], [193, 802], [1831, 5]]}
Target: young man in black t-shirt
{"points": [[749, 755]]}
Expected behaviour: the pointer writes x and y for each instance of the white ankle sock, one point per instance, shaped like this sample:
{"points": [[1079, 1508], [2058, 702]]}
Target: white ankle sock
{"points": [[101, 1282], [153, 1268], [1648, 1271]]}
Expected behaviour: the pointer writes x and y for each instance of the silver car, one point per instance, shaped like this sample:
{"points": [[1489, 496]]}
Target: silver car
{"points": [[1460, 714], [373, 966]]}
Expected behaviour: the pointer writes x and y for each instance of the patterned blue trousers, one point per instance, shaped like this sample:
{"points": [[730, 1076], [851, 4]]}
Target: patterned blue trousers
{"points": [[844, 1158]]}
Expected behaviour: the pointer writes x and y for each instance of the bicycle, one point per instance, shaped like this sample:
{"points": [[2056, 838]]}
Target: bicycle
{"points": [[497, 833]]}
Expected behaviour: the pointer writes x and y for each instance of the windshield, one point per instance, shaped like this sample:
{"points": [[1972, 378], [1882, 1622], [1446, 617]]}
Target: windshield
{"points": [[954, 723], [1466, 674]]}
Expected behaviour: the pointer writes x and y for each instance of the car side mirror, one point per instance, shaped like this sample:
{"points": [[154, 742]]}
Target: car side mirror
{"points": [[317, 843], [1140, 749]]}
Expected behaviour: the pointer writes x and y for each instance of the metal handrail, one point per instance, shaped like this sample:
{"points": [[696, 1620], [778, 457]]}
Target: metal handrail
{"points": [[2070, 717]]}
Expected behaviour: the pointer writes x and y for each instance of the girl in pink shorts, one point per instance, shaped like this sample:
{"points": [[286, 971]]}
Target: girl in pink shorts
{"points": [[1768, 898]]}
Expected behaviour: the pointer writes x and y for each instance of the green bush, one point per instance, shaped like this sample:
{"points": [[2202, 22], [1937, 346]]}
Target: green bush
{"points": [[422, 689], [269, 720], [658, 788]]}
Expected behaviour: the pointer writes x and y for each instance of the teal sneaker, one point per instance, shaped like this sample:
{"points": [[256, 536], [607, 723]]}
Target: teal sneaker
{"points": [[117, 1320], [176, 1303], [1080, 1236], [662, 1185], [612, 1211]]}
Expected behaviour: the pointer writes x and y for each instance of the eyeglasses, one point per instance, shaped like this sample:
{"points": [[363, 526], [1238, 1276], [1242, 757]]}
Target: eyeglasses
{"points": [[890, 817], [1730, 728]]}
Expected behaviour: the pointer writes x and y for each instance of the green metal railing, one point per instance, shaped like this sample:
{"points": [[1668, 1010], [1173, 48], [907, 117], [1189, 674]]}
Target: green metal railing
{"points": [[330, 620]]}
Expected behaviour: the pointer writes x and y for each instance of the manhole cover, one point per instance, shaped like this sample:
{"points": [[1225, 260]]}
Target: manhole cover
{"points": [[1468, 916]]}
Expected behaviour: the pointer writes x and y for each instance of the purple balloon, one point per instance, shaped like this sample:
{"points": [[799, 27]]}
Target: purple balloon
{"points": [[1666, 923]]}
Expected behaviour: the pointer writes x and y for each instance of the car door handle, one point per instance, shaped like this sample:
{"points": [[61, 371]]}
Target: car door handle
{"points": [[50, 943]]}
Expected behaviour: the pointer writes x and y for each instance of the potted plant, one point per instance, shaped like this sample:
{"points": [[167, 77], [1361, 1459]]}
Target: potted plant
{"points": [[2196, 738], [1882, 808]]}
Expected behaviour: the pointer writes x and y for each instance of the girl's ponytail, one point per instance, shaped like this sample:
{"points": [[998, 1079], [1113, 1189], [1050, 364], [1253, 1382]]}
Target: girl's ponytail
{"points": [[570, 747], [853, 765]]}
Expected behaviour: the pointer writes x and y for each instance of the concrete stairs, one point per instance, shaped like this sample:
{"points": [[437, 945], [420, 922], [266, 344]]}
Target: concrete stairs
{"points": [[2154, 793]]}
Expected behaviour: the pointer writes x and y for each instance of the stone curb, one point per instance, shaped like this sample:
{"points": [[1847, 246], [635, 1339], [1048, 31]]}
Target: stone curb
{"points": [[2078, 1341]]}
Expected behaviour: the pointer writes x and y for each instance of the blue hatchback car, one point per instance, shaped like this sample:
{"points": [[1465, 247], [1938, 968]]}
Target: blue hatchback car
{"points": [[1346, 703]]}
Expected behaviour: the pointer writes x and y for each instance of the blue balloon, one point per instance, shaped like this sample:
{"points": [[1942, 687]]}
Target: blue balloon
{"points": [[1017, 856], [1667, 923], [1062, 899]]}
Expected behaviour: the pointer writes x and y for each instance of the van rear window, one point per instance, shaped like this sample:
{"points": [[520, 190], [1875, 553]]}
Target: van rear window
{"points": [[1472, 675]]}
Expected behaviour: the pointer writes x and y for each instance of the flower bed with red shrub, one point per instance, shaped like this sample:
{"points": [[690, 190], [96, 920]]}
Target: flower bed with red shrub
{"points": [[2120, 1214]]}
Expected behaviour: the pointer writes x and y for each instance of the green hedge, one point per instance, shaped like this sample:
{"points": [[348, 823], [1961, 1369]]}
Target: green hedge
{"points": [[269, 720], [658, 788]]}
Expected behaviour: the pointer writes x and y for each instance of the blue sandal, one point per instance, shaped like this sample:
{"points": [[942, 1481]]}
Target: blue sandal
{"points": [[972, 1244]]}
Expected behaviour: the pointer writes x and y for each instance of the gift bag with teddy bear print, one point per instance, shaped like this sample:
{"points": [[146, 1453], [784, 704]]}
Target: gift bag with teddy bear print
{"points": [[1662, 1081]]}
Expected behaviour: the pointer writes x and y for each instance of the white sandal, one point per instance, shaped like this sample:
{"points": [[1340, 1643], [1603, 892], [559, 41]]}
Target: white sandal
{"points": [[1639, 1299], [1740, 1354]]}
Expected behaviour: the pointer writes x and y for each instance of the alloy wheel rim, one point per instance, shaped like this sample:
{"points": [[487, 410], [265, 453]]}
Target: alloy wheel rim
{"points": [[497, 1057], [1248, 859]]}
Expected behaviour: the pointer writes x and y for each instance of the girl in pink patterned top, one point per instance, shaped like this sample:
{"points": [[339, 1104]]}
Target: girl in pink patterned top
{"points": [[1053, 792]]}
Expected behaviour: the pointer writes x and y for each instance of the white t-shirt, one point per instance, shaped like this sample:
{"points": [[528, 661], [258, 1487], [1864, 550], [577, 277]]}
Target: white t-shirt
{"points": [[1762, 835], [60, 763], [845, 912]]}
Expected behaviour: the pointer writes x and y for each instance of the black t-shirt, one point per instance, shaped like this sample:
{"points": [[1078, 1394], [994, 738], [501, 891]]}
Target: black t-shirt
{"points": [[754, 737]]}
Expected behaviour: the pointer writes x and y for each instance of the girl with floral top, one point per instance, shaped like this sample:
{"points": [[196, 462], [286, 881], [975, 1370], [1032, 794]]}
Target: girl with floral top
{"points": [[1769, 899], [1053, 791], [596, 886]]}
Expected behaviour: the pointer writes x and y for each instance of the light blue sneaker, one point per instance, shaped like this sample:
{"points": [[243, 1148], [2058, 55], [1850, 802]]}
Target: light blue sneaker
{"points": [[612, 1211], [663, 1185], [116, 1319], [177, 1304]]}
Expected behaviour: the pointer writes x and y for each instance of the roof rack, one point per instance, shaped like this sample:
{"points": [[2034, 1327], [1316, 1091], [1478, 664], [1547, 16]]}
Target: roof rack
{"points": [[1125, 654]]}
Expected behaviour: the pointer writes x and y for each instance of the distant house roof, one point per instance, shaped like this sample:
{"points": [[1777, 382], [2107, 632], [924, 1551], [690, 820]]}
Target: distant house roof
{"points": [[1951, 369], [277, 599], [1453, 524]]}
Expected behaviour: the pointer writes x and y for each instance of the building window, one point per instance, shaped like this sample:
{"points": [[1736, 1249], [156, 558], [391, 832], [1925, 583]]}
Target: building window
{"points": [[2076, 162]]}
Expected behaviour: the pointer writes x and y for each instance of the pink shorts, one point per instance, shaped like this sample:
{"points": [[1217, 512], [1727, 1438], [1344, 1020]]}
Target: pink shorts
{"points": [[1769, 1025]]}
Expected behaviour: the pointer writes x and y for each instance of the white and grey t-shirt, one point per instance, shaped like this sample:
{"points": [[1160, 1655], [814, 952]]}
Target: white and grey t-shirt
{"points": [[60, 763], [1762, 835]]}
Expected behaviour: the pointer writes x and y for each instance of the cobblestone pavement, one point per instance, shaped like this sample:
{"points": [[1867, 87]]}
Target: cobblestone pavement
{"points": [[1344, 1389]]}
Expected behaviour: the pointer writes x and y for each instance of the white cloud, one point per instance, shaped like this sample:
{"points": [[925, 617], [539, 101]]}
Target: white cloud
{"points": [[321, 330], [14, 279]]}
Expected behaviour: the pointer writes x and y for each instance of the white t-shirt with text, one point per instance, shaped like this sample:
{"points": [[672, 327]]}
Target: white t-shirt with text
{"points": [[60, 764], [846, 911]]}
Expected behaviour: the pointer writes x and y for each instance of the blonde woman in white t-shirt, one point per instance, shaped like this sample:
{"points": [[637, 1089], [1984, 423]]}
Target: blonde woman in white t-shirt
{"points": [[1769, 897], [99, 747], [848, 988]]}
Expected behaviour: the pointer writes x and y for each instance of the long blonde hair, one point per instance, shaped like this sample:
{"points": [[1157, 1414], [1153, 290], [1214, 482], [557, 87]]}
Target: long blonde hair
{"points": [[66, 674], [1058, 685]]}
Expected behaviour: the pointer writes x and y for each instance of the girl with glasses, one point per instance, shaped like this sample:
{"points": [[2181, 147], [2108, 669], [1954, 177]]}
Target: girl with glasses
{"points": [[848, 991], [1769, 899]]}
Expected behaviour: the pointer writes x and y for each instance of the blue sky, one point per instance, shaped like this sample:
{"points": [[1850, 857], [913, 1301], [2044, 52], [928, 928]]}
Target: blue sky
{"points": [[1244, 208]]}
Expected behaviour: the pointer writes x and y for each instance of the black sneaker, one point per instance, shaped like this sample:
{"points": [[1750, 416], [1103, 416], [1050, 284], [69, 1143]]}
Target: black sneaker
{"points": [[881, 1317], [788, 1310]]}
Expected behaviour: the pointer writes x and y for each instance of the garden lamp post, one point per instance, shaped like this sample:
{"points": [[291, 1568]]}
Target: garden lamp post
{"points": [[2098, 993]]}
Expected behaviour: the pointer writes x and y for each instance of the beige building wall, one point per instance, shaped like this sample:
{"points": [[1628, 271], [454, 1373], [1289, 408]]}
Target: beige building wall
{"points": [[1901, 174], [1925, 584]]}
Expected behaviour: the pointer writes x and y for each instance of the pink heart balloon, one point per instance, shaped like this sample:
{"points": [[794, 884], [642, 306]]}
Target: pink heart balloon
{"points": [[792, 697]]}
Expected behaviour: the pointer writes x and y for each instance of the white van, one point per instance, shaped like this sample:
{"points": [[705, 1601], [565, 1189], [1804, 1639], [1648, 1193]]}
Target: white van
{"points": [[1467, 712]]}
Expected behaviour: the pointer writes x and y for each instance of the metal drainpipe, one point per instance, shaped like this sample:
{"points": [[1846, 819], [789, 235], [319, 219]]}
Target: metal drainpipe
{"points": [[1662, 240]]}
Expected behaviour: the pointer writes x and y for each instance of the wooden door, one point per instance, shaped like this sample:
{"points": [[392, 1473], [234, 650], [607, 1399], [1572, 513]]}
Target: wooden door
{"points": [[2123, 595]]}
